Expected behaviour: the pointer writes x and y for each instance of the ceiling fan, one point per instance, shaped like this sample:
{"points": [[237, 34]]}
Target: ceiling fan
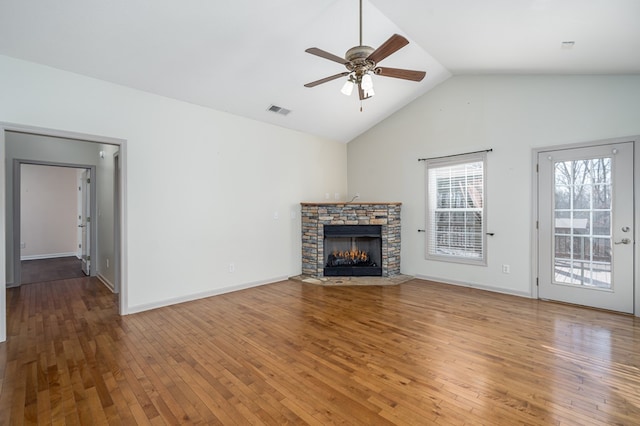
{"points": [[362, 61]]}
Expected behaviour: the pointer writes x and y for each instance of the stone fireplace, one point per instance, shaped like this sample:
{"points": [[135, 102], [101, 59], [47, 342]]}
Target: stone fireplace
{"points": [[350, 239]]}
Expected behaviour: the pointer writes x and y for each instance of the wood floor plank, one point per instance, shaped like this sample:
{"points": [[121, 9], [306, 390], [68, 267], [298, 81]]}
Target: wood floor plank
{"points": [[295, 353]]}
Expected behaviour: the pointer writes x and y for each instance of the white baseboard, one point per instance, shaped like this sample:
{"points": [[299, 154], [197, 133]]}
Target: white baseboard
{"points": [[106, 283], [189, 298], [48, 256], [474, 285]]}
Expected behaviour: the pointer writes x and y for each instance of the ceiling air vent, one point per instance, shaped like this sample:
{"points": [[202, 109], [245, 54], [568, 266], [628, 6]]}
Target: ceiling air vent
{"points": [[278, 110]]}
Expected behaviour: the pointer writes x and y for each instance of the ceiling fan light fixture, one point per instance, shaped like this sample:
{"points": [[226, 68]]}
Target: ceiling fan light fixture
{"points": [[347, 89], [361, 61]]}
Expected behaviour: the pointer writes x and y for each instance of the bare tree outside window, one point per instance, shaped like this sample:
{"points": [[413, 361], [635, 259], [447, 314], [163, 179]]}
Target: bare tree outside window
{"points": [[582, 211]]}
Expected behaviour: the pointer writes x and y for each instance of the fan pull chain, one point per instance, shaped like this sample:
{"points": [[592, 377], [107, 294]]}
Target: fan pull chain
{"points": [[360, 105]]}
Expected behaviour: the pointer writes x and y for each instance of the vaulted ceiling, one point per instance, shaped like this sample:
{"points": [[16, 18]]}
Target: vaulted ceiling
{"points": [[243, 56]]}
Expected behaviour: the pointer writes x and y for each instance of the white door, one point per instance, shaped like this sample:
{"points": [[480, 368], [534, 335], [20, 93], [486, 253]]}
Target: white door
{"points": [[85, 221], [585, 214]]}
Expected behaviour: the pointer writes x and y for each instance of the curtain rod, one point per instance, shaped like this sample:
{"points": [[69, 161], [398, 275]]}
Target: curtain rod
{"points": [[455, 155]]}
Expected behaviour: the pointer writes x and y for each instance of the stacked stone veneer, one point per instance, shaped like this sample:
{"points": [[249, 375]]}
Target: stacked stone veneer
{"points": [[316, 215]]}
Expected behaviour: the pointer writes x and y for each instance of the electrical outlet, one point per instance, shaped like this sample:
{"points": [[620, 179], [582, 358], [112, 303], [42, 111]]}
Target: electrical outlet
{"points": [[107, 262], [506, 269], [232, 267], [293, 214], [276, 215], [336, 196], [23, 245], [326, 195]]}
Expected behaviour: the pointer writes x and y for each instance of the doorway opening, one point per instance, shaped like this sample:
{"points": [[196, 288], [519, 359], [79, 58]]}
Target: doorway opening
{"points": [[54, 223], [63, 148], [585, 214], [37, 215]]}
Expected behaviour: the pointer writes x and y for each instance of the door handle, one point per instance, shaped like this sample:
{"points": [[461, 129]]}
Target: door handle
{"points": [[623, 241], [82, 226]]}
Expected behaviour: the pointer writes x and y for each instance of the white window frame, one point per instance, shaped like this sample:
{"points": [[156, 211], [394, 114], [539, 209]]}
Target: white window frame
{"points": [[431, 209]]}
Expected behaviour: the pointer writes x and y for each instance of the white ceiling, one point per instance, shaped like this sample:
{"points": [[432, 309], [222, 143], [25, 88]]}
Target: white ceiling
{"points": [[242, 56]]}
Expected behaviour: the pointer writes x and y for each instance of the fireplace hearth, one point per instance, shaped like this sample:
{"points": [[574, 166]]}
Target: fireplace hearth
{"points": [[350, 239]]}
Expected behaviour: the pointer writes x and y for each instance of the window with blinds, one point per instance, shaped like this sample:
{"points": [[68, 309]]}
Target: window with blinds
{"points": [[456, 209]]}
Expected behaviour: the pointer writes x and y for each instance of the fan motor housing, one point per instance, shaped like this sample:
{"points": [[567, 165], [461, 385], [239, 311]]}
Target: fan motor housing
{"points": [[358, 52], [358, 62]]}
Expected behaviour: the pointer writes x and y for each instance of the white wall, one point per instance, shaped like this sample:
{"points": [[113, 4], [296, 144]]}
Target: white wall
{"points": [[48, 224], [202, 186], [511, 115]]}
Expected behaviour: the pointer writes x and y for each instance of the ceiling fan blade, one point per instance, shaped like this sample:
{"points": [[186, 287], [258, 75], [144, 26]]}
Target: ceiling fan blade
{"points": [[324, 80], [326, 55], [392, 45], [400, 73]]}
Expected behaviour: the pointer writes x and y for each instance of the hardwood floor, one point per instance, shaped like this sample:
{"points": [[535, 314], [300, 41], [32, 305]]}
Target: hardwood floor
{"points": [[296, 353], [58, 268]]}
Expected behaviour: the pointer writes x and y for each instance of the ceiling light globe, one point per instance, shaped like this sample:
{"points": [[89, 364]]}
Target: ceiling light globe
{"points": [[367, 82], [347, 89]]}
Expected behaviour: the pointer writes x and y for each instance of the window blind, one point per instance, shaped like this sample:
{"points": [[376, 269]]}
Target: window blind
{"points": [[456, 209]]}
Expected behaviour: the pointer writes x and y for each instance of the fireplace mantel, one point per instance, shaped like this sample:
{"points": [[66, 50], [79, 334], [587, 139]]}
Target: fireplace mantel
{"points": [[346, 203], [316, 215]]}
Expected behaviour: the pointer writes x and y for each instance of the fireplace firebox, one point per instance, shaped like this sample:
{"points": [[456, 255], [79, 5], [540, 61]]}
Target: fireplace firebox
{"points": [[353, 250]]}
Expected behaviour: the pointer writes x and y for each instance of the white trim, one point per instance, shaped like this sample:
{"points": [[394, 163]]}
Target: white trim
{"points": [[533, 233], [475, 285], [108, 284], [196, 296], [3, 238], [49, 256], [636, 234]]}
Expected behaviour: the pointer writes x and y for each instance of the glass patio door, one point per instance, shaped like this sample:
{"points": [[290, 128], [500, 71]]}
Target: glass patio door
{"points": [[585, 213]]}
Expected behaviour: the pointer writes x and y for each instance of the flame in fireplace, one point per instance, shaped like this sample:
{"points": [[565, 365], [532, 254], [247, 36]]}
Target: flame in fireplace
{"points": [[353, 254], [353, 257]]}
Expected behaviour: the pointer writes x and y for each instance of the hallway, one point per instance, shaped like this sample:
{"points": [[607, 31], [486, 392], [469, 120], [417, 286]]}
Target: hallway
{"points": [[43, 270]]}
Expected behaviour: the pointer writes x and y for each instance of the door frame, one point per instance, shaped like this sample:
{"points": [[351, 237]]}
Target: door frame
{"points": [[87, 195], [17, 212], [123, 305], [117, 226], [535, 264]]}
